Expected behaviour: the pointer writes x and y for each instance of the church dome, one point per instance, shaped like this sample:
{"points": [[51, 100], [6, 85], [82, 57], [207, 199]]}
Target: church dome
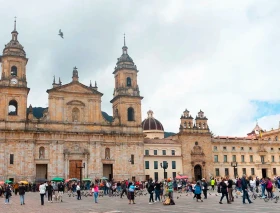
{"points": [[151, 123]]}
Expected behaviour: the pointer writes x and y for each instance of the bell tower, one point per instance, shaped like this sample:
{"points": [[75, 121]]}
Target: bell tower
{"points": [[127, 100], [13, 85]]}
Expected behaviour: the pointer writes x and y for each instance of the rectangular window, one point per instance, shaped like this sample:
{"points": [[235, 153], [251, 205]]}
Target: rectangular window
{"points": [[173, 174], [11, 158], [242, 158], [155, 152], [225, 158], [155, 165], [271, 149], [250, 148], [252, 171], [226, 172], [146, 152], [272, 158], [234, 158], [251, 158], [262, 159], [244, 171], [224, 148], [215, 148], [216, 159], [132, 159], [147, 165], [163, 152], [173, 164], [242, 148], [156, 176], [274, 171], [217, 171], [165, 164], [233, 148], [172, 152]]}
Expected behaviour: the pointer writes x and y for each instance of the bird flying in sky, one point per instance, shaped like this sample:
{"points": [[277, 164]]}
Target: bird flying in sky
{"points": [[60, 33]]}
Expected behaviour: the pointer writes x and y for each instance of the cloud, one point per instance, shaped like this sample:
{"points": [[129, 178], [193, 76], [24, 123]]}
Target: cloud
{"points": [[218, 57]]}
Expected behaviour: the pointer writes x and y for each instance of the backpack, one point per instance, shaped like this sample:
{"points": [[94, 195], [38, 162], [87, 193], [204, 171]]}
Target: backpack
{"points": [[269, 185]]}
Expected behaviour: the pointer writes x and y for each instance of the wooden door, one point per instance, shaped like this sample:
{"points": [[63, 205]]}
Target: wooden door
{"points": [[73, 171]]}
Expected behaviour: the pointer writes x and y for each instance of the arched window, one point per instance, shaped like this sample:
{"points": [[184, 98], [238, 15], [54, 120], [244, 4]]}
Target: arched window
{"points": [[13, 71], [185, 124], [13, 107], [75, 115], [128, 81], [189, 126], [130, 114], [107, 153], [41, 152], [116, 112]]}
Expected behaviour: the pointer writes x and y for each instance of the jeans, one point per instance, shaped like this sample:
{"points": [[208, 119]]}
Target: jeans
{"points": [[95, 196], [245, 195], [42, 199], [79, 195], [49, 196], [7, 200], [205, 193], [151, 197], [21, 197], [106, 190], [263, 190], [157, 192], [224, 193]]}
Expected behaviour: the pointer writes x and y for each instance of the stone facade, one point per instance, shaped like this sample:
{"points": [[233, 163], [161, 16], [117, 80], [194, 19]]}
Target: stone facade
{"points": [[72, 132]]}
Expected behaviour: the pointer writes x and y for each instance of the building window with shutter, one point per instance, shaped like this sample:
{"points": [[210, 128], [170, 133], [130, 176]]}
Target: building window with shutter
{"points": [[274, 171], [163, 152], [234, 158], [132, 159], [242, 158], [146, 152], [217, 171], [155, 152], [147, 166], [244, 171], [216, 158], [252, 171], [155, 165], [251, 158], [226, 172], [172, 152], [225, 158], [173, 164]]}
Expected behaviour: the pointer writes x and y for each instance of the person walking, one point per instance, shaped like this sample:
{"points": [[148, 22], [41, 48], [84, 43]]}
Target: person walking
{"points": [[78, 188], [230, 183], [212, 182], [95, 192], [151, 189], [157, 191], [8, 194], [21, 192], [49, 190], [197, 192], [131, 190], [244, 185], [223, 187], [42, 191], [204, 187], [123, 187]]}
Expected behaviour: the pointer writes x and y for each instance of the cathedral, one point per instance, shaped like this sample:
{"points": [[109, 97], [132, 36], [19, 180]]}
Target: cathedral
{"points": [[72, 139]]}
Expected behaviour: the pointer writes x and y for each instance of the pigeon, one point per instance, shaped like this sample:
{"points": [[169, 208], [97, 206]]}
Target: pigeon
{"points": [[216, 195], [177, 197], [60, 33], [209, 193]]}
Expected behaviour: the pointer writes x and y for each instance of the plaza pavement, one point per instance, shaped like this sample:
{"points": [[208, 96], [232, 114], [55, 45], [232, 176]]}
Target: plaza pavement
{"points": [[117, 205]]}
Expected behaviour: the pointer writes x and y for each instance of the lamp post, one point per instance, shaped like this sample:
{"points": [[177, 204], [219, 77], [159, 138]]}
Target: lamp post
{"points": [[234, 165], [164, 165], [80, 167]]}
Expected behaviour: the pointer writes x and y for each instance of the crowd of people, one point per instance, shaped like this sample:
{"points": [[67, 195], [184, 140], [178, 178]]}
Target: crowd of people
{"points": [[159, 191]]}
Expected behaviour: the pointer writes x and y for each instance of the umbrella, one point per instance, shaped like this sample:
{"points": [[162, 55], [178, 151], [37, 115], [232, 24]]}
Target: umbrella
{"points": [[67, 180], [74, 179], [58, 179], [24, 182], [2, 182], [104, 178], [87, 179], [8, 181]]}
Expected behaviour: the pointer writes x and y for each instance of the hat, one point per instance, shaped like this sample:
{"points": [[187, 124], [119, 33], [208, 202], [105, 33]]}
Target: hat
{"points": [[203, 179]]}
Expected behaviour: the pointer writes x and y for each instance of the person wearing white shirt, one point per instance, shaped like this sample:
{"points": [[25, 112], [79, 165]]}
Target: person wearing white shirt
{"points": [[42, 191], [78, 188]]}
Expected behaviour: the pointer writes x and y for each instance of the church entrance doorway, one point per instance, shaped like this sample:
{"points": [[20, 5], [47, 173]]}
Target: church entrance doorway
{"points": [[264, 173], [197, 172], [42, 171], [74, 172], [108, 171]]}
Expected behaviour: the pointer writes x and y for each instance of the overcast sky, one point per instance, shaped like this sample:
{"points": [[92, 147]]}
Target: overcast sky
{"points": [[218, 56]]}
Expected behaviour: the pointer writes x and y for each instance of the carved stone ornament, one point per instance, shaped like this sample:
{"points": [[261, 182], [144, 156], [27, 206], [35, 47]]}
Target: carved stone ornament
{"points": [[197, 150]]}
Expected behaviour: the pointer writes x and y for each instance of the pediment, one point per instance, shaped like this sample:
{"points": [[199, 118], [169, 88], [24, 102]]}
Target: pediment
{"points": [[76, 103], [75, 88]]}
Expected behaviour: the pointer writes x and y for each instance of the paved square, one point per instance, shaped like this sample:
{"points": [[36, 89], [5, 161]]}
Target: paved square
{"points": [[106, 204]]}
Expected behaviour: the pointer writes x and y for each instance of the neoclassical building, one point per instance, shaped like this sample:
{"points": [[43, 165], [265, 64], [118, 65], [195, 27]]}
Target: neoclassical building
{"points": [[72, 136], [72, 132]]}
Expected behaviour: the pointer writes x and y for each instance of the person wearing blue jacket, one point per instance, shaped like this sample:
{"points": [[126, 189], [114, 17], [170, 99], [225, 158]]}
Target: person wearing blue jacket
{"points": [[197, 192]]}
